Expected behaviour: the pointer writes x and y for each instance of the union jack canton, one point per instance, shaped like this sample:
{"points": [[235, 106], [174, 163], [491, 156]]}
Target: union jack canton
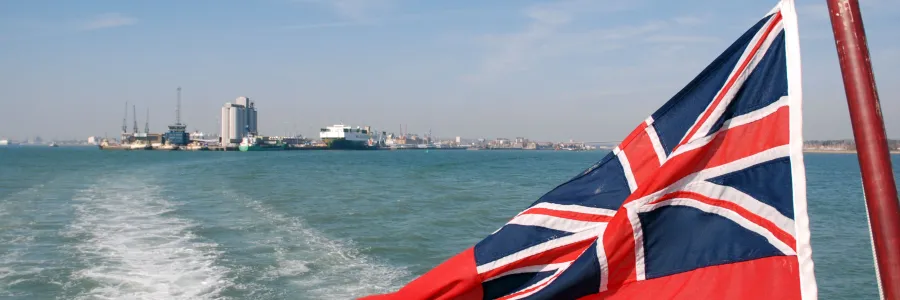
{"points": [[705, 199]]}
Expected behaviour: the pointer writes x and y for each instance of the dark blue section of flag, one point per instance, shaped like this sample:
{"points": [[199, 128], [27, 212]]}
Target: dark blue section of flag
{"points": [[768, 182], [765, 85], [603, 186], [680, 238], [582, 278], [674, 119], [511, 283], [512, 238]]}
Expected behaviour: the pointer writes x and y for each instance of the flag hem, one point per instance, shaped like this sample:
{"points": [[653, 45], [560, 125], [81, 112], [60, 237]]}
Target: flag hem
{"points": [[808, 288]]}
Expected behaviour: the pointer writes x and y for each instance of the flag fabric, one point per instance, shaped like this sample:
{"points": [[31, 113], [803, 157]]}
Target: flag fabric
{"points": [[705, 199]]}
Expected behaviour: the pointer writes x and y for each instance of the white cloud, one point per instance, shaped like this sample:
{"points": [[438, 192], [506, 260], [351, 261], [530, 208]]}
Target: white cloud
{"points": [[109, 20]]}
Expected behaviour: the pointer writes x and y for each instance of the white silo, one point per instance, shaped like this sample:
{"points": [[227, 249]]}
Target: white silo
{"points": [[242, 101], [225, 126]]}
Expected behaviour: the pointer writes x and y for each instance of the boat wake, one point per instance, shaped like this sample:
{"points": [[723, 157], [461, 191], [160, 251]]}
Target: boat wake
{"points": [[316, 266], [133, 246], [24, 259]]}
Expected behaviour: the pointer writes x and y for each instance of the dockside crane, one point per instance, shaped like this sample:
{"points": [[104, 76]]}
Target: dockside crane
{"points": [[178, 107], [125, 119], [134, 115], [147, 124]]}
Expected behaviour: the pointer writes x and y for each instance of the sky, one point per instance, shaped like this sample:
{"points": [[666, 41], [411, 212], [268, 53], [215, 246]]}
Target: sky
{"points": [[588, 70]]}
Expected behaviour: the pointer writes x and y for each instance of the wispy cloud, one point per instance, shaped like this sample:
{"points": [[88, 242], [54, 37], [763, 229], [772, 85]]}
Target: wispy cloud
{"points": [[509, 52], [324, 25], [689, 20], [382, 19], [680, 39], [109, 20], [550, 33], [351, 13], [354, 10]]}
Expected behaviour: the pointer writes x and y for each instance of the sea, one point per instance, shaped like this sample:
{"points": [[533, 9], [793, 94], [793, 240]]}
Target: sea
{"points": [[80, 223]]}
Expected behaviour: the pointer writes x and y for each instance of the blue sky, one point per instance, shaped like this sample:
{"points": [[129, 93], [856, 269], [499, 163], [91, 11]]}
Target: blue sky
{"points": [[547, 70]]}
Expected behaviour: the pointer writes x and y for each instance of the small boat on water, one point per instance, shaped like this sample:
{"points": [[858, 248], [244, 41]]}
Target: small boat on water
{"points": [[195, 146], [107, 145], [140, 146], [168, 147], [255, 143], [53, 145]]}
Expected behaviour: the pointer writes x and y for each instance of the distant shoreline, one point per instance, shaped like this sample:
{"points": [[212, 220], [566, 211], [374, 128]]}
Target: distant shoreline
{"points": [[839, 151]]}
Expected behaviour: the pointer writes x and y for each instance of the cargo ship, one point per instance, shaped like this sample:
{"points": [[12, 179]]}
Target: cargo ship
{"points": [[345, 137]]}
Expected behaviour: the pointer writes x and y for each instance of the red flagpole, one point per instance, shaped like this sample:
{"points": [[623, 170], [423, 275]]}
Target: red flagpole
{"points": [[871, 142]]}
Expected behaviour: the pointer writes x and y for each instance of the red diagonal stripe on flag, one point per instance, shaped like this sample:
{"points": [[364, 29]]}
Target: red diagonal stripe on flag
{"points": [[641, 155], [728, 146], [785, 237], [775, 20]]}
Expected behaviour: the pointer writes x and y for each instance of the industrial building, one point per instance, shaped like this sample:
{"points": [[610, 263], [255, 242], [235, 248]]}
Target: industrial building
{"points": [[177, 134], [238, 121], [155, 139]]}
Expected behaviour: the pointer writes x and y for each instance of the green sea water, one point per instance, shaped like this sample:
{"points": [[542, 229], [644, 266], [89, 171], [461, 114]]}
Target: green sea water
{"points": [[79, 223]]}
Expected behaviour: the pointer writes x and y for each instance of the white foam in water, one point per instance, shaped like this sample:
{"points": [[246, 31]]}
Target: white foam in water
{"points": [[134, 248], [286, 267], [14, 268], [15, 242], [320, 267]]}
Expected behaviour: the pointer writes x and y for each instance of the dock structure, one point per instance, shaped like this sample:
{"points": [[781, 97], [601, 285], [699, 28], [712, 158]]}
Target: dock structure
{"points": [[177, 135]]}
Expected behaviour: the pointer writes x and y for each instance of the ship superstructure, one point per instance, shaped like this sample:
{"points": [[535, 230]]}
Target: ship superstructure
{"points": [[342, 136]]}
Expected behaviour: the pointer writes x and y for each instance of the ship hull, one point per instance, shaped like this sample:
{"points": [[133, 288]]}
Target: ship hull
{"points": [[113, 147], [246, 148], [343, 144]]}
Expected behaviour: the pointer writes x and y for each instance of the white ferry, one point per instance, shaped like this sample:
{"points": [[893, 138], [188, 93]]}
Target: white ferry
{"points": [[341, 136]]}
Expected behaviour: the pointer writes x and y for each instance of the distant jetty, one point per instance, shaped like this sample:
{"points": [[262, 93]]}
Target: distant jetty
{"points": [[841, 146]]}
